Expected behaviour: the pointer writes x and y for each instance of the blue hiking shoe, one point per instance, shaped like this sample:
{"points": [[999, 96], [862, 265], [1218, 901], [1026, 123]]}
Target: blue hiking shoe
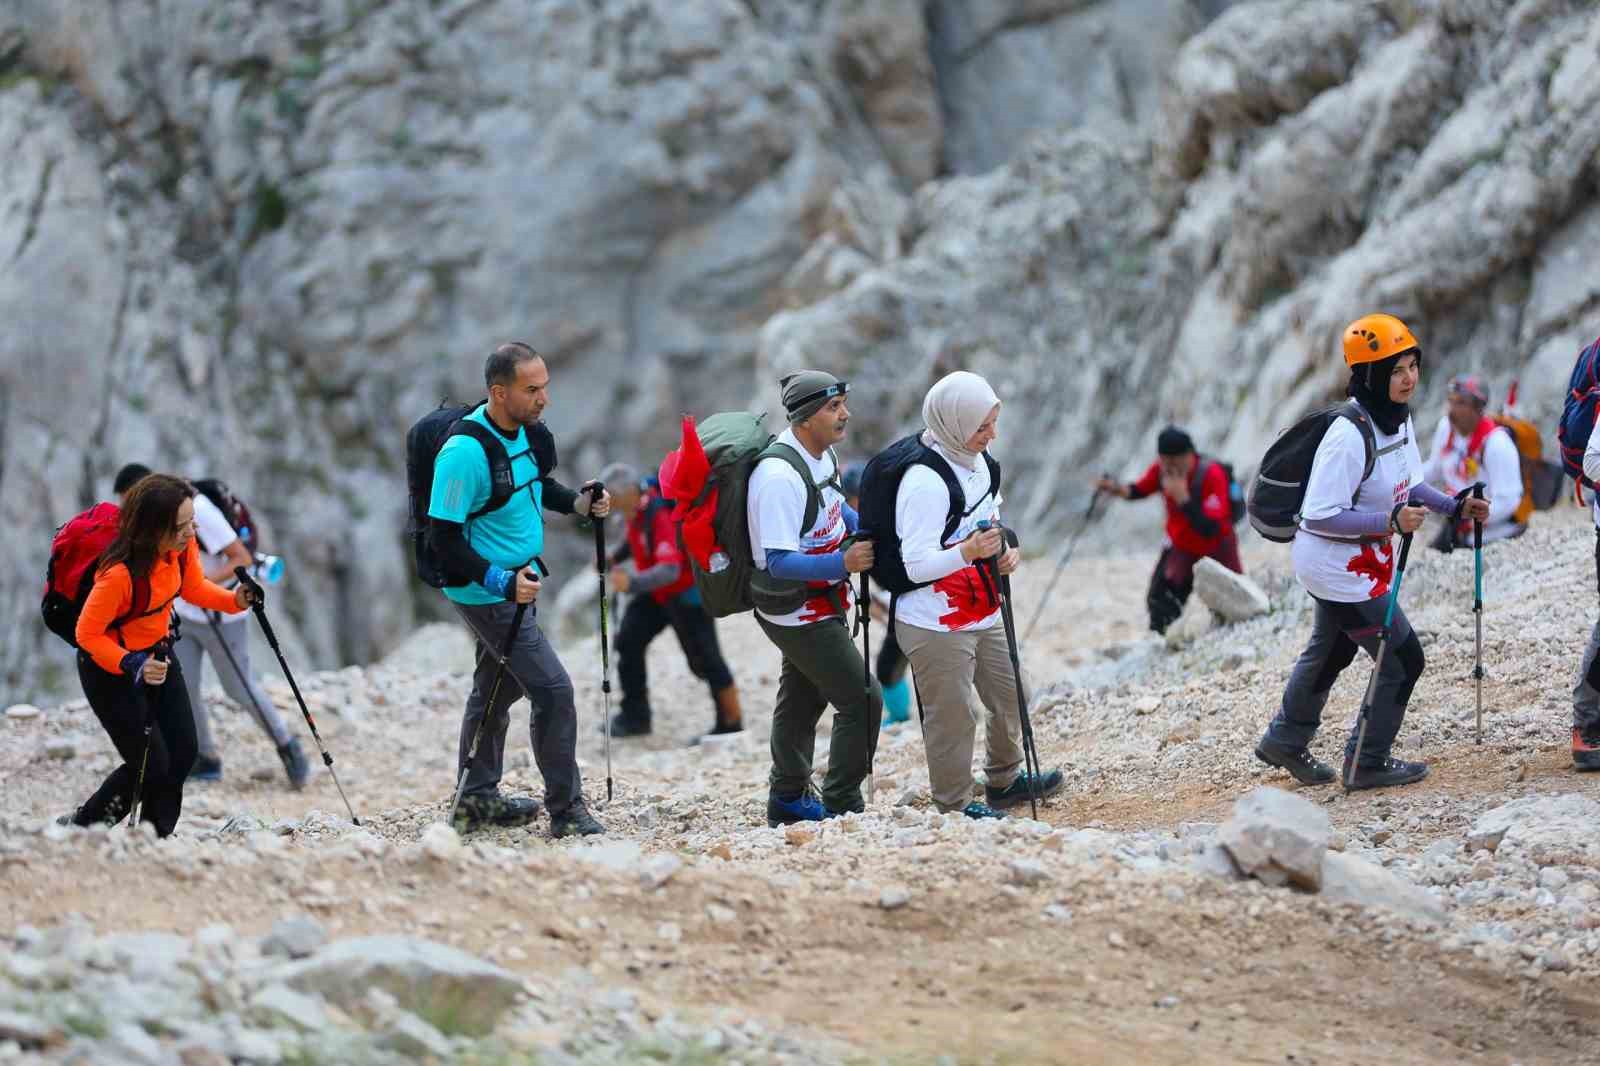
{"points": [[977, 810], [802, 808], [897, 702], [1016, 793]]}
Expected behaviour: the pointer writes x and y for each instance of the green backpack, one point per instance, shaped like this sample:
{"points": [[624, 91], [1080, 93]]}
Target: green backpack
{"points": [[734, 442]]}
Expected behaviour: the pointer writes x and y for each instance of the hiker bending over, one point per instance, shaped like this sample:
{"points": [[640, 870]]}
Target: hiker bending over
{"points": [[1344, 554], [950, 627], [123, 639], [1199, 521], [496, 549], [820, 663], [1466, 450], [890, 666], [650, 566]]}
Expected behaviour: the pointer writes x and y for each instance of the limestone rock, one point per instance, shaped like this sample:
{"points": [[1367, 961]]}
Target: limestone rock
{"points": [[1349, 879], [1232, 597], [1277, 836]]}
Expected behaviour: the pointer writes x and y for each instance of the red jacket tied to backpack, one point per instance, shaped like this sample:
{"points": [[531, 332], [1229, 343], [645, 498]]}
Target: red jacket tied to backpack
{"points": [[1209, 485], [652, 538]]}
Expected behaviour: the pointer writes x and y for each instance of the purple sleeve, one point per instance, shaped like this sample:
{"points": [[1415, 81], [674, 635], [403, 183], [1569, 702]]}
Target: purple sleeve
{"points": [[1432, 499], [1349, 523]]}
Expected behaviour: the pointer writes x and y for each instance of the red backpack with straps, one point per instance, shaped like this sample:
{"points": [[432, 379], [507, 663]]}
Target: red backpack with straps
{"points": [[74, 557]]}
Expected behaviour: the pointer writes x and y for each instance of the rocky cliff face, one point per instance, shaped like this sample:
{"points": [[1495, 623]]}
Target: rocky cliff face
{"points": [[258, 238]]}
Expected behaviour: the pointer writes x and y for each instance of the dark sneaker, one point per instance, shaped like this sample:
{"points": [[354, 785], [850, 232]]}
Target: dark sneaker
{"points": [[1017, 792], [67, 819], [855, 806], [1586, 748], [802, 808], [295, 764], [976, 810], [1301, 764], [206, 769], [475, 812], [575, 821], [624, 725], [1389, 773]]}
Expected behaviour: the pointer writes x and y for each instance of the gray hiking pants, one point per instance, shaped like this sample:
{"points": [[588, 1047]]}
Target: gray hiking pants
{"points": [[821, 665], [532, 670], [1338, 630], [221, 640], [1586, 693]]}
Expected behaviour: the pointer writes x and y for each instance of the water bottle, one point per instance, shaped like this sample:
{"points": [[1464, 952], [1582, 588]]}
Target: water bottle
{"points": [[719, 561], [268, 569]]}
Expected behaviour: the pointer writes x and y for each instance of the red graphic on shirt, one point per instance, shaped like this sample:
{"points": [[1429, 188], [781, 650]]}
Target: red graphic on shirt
{"points": [[1375, 562], [967, 596], [833, 597]]}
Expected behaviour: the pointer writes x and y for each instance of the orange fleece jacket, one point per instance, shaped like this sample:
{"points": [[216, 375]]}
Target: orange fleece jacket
{"points": [[172, 576]]}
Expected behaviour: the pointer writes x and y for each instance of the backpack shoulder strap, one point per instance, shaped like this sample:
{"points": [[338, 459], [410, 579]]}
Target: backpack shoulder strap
{"points": [[958, 498], [543, 445], [779, 450], [1369, 438], [494, 450]]}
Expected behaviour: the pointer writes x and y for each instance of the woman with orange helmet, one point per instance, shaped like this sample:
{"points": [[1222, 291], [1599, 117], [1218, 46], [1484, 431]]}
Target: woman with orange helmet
{"points": [[1344, 556]]}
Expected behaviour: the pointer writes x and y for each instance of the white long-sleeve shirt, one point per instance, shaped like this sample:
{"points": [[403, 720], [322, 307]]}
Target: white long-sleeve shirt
{"points": [[1499, 467], [1591, 467], [958, 599]]}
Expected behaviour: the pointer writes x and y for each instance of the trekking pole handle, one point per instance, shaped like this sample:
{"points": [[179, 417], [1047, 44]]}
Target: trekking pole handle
{"points": [[258, 597]]}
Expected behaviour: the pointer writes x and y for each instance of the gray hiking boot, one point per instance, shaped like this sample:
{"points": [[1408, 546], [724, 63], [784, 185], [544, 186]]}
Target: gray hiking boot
{"points": [[1301, 764], [295, 764], [1389, 773], [575, 821], [494, 809]]}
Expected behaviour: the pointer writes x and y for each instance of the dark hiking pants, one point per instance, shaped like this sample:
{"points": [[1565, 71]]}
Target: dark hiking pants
{"points": [[1173, 580], [696, 630], [123, 709]]}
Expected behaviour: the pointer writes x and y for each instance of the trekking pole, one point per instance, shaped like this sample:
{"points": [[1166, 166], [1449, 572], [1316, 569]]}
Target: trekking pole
{"points": [[259, 606], [594, 489], [244, 682], [160, 653], [1377, 664], [1477, 606], [1030, 752], [1061, 564], [494, 688], [863, 623]]}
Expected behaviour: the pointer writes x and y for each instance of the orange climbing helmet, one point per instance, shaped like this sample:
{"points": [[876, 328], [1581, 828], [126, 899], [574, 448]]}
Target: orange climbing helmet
{"points": [[1374, 338]]}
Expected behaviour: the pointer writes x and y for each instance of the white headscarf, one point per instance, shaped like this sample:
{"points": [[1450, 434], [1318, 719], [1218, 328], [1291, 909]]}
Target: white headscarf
{"points": [[953, 410]]}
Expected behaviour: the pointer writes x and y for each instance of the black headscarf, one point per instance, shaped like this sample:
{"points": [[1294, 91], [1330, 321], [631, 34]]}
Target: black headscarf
{"points": [[1369, 386]]}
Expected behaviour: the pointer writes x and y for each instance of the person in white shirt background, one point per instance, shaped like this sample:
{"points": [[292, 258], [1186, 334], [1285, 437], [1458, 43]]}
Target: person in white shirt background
{"points": [[1468, 447], [1344, 556]]}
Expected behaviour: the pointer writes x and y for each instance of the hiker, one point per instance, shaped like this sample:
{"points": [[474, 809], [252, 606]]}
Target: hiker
{"points": [[123, 634], [821, 665], [650, 567], [950, 628], [226, 639], [1586, 694], [891, 664], [1344, 555], [497, 549], [1199, 521], [1466, 450]]}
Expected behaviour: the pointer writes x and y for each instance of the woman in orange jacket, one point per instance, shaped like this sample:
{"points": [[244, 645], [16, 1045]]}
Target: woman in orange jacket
{"points": [[123, 640]]}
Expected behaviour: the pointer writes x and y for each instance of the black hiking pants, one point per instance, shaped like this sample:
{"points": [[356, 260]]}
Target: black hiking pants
{"points": [[1338, 631], [123, 709], [642, 622]]}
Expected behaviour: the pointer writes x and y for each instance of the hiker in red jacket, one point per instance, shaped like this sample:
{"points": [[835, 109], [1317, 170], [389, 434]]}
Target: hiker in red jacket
{"points": [[1199, 521], [651, 568]]}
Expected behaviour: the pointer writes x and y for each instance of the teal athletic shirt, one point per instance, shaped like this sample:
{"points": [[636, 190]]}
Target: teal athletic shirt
{"points": [[506, 538]]}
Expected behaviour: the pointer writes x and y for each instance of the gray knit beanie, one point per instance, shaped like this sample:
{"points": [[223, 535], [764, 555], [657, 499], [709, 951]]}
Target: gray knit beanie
{"points": [[805, 392]]}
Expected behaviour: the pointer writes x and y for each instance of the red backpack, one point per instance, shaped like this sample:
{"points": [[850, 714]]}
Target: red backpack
{"points": [[74, 557]]}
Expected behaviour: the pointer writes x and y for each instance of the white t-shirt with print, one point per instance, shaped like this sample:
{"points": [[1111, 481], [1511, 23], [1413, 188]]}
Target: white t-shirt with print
{"points": [[1344, 571], [958, 599], [214, 532], [1499, 467], [774, 507]]}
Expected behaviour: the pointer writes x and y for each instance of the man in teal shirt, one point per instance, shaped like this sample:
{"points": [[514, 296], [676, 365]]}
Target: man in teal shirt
{"points": [[492, 551]]}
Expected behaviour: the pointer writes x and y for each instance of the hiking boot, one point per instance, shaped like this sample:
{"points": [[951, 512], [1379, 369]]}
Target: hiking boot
{"points": [[575, 821], [856, 806], [976, 810], [1586, 748], [295, 764], [206, 768], [626, 725], [494, 808], [1017, 792], [1387, 774], [1301, 764], [802, 808]]}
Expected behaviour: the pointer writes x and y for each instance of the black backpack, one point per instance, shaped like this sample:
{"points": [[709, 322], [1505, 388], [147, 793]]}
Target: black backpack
{"points": [[233, 509], [1237, 507], [880, 484], [1279, 489], [423, 441]]}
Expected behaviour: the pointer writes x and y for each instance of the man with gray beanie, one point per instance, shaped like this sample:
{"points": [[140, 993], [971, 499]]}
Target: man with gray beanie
{"points": [[798, 477], [649, 565], [1199, 521]]}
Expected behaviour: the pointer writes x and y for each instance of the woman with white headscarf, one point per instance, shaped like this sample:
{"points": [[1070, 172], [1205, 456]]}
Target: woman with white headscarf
{"points": [[949, 627]]}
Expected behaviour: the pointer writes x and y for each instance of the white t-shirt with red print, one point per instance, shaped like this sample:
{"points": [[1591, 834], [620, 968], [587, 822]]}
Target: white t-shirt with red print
{"points": [[1344, 571], [775, 507], [960, 598]]}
